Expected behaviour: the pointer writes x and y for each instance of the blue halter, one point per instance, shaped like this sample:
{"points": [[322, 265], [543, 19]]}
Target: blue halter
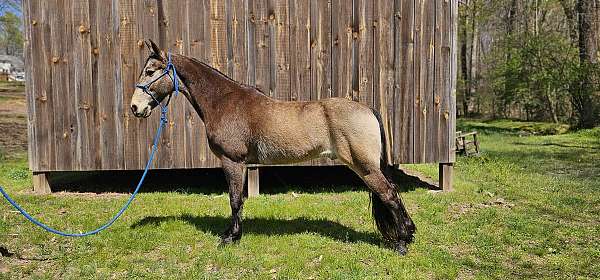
{"points": [[146, 87]]}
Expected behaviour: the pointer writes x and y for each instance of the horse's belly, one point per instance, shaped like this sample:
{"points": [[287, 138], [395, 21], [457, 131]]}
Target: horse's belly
{"points": [[290, 151]]}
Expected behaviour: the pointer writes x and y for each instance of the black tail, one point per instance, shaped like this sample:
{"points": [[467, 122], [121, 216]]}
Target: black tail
{"points": [[395, 225], [383, 163]]}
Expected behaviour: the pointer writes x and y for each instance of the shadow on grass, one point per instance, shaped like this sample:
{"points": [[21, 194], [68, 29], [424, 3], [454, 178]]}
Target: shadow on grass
{"points": [[569, 161], [216, 225], [556, 145]]}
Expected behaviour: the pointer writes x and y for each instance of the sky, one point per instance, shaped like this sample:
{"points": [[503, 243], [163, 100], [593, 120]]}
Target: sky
{"points": [[4, 7]]}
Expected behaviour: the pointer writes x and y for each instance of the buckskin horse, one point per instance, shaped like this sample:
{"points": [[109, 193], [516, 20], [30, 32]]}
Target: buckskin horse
{"points": [[244, 126]]}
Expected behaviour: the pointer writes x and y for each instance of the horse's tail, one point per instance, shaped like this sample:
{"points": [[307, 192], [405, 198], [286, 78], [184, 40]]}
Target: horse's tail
{"points": [[385, 220], [384, 164]]}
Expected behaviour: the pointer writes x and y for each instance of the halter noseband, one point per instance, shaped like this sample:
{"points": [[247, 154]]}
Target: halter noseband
{"points": [[145, 87]]}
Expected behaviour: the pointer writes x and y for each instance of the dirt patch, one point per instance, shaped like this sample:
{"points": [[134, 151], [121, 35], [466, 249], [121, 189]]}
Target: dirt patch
{"points": [[13, 122], [13, 137], [457, 210]]}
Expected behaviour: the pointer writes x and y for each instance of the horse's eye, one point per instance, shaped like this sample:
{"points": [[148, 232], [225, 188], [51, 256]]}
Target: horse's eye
{"points": [[149, 72]]}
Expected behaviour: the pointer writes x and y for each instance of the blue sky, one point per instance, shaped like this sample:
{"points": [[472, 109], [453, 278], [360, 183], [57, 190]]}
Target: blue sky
{"points": [[10, 9]]}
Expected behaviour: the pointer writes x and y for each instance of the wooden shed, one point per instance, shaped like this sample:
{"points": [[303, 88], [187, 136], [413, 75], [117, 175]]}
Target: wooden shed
{"points": [[83, 58]]}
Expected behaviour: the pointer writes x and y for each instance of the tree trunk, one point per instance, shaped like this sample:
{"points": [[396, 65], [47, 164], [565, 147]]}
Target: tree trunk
{"points": [[569, 11], [588, 52], [509, 85], [551, 104], [474, 53], [465, 64]]}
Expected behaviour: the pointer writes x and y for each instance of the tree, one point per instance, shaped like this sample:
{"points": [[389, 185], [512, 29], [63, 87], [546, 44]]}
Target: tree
{"points": [[583, 99], [11, 36]]}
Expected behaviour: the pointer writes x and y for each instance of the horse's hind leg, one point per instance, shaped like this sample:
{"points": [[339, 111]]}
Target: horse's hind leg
{"points": [[389, 212], [235, 176]]}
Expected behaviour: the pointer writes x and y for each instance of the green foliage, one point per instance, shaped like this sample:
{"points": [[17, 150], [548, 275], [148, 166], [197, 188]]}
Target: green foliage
{"points": [[528, 66], [534, 73], [11, 35]]}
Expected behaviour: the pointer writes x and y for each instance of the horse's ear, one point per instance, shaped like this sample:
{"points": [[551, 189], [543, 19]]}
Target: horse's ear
{"points": [[156, 51], [148, 46]]}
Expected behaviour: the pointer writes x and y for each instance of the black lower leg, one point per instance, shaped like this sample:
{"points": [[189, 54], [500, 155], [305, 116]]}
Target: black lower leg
{"points": [[235, 176]]}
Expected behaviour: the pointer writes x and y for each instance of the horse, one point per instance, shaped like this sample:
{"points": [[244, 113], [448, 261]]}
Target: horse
{"points": [[245, 126]]}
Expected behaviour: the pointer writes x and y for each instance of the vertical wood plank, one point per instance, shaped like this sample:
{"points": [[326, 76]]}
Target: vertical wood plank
{"points": [[262, 57], [404, 88], [281, 62], [196, 143], [175, 17], [130, 70], [383, 83], [435, 140], [71, 105], [342, 41], [164, 153], [96, 154], [40, 183], [453, 75], [239, 45], [117, 87], [253, 181], [443, 64], [426, 102], [300, 86], [109, 108], [419, 79], [218, 36], [365, 58], [148, 28], [60, 92], [83, 88], [46, 97], [320, 49], [446, 175], [29, 91]]}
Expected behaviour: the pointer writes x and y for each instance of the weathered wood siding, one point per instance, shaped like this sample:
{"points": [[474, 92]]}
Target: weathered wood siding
{"points": [[83, 59]]}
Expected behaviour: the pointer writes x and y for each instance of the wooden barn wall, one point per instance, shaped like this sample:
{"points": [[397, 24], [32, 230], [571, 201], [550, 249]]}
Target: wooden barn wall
{"points": [[83, 59]]}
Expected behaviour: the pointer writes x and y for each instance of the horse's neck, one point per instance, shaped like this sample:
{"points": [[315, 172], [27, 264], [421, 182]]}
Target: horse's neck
{"points": [[205, 85]]}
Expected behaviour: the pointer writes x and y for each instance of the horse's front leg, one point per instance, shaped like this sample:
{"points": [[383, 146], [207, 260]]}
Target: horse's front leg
{"points": [[235, 174]]}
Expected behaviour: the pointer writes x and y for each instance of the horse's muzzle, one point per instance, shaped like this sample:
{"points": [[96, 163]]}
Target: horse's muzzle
{"points": [[140, 113]]}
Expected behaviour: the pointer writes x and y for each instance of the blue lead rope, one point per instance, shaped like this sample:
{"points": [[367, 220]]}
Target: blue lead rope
{"points": [[163, 122]]}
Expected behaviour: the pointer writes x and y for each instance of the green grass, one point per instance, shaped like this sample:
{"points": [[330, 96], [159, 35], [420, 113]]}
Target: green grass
{"points": [[529, 207]]}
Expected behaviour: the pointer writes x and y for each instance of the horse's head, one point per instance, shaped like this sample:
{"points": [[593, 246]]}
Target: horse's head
{"points": [[156, 83]]}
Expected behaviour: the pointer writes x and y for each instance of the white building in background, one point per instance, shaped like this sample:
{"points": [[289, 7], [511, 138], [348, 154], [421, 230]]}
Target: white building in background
{"points": [[13, 66]]}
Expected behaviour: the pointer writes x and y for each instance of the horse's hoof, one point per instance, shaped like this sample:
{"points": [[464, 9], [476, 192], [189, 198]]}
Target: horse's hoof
{"points": [[401, 248], [229, 239]]}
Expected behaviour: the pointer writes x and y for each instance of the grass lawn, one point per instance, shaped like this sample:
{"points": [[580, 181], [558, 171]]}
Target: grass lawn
{"points": [[529, 207]]}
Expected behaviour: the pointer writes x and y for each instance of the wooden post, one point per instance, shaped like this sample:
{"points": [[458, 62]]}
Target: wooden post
{"points": [[446, 170], [253, 181], [41, 184]]}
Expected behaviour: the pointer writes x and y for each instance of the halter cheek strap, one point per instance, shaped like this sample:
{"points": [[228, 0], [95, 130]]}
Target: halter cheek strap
{"points": [[146, 87]]}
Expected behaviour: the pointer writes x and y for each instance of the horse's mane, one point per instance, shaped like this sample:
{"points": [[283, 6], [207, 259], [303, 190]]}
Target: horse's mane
{"points": [[195, 60]]}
